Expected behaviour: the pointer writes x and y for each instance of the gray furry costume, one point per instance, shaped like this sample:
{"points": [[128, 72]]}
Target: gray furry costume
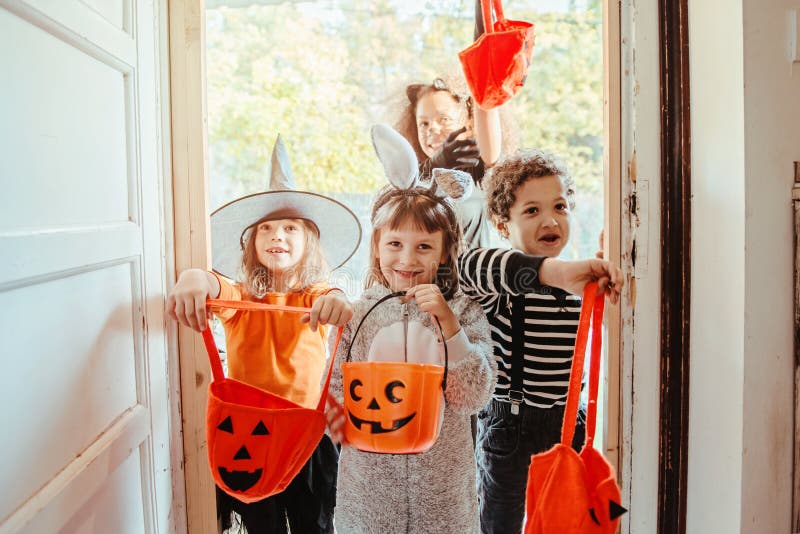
{"points": [[431, 492], [434, 491]]}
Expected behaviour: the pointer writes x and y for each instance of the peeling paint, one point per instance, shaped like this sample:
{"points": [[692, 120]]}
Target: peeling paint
{"points": [[796, 466]]}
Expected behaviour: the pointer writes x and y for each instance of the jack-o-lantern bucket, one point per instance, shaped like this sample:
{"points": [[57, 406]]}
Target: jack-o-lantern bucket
{"points": [[257, 441], [393, 407]]}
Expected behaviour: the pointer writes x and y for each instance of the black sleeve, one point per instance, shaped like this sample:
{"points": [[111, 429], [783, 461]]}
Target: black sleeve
{"points": [[486, 271]]}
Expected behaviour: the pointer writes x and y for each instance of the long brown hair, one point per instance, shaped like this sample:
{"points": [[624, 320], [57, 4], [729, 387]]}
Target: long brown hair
{"points": [[407, 124], [395, 207], [311, 269]]}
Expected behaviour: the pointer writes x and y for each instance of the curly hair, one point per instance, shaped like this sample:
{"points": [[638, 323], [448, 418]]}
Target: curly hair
{"points": [[395, 207], [312, 268], [513, 171]]}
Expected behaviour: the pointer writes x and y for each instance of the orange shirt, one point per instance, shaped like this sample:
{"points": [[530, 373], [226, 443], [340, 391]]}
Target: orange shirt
{"points": [[273, 350]]}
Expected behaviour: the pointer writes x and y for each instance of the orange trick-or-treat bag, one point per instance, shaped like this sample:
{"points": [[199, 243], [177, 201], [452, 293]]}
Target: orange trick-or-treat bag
{"points": [[571, 493], [257, 441]]}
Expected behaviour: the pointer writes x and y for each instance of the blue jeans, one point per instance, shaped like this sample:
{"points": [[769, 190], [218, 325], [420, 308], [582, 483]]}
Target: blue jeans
{"points": [[504, 448]]}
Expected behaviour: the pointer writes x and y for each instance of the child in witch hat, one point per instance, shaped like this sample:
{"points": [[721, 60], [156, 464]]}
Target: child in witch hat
{"points": [[276, 247]]}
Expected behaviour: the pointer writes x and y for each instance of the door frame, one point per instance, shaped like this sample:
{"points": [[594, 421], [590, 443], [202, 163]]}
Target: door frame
{"points": [[191, 238], [675, 265], [191, 241]]}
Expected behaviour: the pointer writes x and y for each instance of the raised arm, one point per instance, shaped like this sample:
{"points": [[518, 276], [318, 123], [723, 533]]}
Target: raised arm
{"points": [[487, 122], [488, 135]]}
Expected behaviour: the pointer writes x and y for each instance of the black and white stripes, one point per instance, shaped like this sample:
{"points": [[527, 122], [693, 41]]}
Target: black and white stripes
{"points": [[493, 277]]}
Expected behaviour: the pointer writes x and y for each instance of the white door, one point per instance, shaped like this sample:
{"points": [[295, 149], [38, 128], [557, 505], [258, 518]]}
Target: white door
{"points": [[84, 393]]}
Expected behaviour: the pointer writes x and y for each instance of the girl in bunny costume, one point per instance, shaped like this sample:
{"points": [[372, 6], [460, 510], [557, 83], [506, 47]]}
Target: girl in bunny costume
{"points": [[414, 247]]}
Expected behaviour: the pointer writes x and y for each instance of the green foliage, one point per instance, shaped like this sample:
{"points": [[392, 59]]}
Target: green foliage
{"points": [[320, 74]]}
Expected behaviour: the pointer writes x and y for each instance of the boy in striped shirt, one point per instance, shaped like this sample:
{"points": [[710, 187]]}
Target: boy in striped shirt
{"points": [[530, 299]]}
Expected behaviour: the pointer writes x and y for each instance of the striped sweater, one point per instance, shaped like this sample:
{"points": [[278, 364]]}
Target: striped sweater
{"points": [[493, 277]]}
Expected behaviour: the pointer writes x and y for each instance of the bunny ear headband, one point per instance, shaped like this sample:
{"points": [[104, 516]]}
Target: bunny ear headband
{"points": [[402, 168]]}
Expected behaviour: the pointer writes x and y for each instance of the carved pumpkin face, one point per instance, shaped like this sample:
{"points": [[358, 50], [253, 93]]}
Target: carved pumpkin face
{"points": [[257, 442], [237, 444], [392, 407]]}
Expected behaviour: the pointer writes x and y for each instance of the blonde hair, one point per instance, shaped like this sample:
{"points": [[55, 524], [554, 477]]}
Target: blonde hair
{"points": [[311, 269], [395, 207]]}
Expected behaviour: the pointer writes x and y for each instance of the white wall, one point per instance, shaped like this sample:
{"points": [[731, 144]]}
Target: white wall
{"points": [[772, 143], [745, 135], [717, 273]]}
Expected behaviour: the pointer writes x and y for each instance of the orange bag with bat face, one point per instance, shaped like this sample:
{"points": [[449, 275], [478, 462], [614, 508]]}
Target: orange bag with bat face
{"points": [[571, 493], [496, 64], [257, 441]]}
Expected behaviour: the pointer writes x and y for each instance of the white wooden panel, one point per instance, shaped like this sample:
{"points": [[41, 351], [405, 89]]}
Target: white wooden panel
{"points": [[113, 11], [82, 276], [65, 127], [64, 497], [72, 372], [83, 26], [117, 507], [27, 256]]}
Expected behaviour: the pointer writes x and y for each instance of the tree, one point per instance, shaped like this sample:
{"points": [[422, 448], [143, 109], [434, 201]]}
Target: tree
{"points": [[321, 74]]}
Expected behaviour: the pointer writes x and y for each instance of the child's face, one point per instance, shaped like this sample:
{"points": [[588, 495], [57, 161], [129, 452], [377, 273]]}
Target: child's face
{"points": [[539, 220], [280, 244], [409, 256], [438, 115]]}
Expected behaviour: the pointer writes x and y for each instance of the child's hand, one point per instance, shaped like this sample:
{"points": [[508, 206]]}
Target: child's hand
{"points": [[333, 308], [456, 153], [186, 302], [334, 413], [573, 275], [430, 299]]}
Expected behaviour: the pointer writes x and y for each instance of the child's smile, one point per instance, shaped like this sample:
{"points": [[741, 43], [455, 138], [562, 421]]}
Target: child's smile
{"points": [[280, 244], [409, 256], [437, 116]]}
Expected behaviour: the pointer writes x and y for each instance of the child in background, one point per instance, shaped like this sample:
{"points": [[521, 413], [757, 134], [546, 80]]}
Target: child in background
{"points": [[525, 292], [414, 247], [283, 257], [447, 130]]}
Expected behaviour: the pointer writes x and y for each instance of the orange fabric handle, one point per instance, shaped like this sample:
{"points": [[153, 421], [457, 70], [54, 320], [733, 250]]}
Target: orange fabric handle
{"points": [[486, 9], [254, 306], [591, 315], [594, 367], [498, 10], [213, 352]]}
